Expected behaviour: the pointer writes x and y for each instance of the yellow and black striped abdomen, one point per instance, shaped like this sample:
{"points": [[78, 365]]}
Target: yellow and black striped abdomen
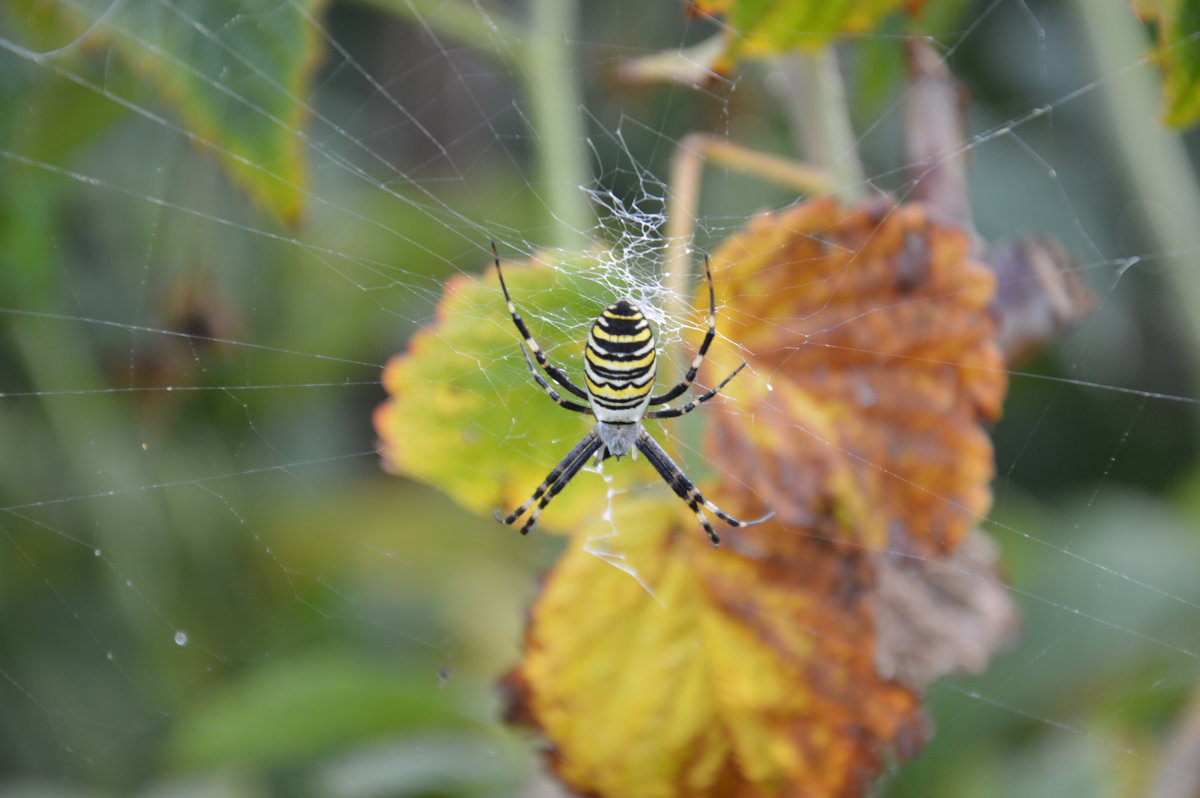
{"points": [[619, 363]]}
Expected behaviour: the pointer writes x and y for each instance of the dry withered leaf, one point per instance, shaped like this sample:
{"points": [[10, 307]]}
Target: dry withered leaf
{"points": [[871, 329], [941, 615], [1040, 292]]}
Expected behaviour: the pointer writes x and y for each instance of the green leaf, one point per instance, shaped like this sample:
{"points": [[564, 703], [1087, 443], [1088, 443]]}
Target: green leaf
{"points": [[768, 27], [433, 765], [63, 118], [235, 71], [881, 60], [1181, 64], [1178, 51], [466, 416], [290, 710]]}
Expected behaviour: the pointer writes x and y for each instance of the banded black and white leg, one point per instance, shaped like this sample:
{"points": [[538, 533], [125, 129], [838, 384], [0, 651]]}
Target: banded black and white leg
{"points": [[556, 374], [690, 376], [683, 410], [567, 403], [554, 482], [673, 475]]}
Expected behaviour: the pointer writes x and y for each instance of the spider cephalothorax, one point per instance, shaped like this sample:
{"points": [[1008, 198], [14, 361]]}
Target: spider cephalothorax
{"points": [[619, 368]]}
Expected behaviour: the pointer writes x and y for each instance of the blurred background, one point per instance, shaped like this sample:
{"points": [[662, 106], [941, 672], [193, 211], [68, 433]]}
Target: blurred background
{"points": [[208, 586]]}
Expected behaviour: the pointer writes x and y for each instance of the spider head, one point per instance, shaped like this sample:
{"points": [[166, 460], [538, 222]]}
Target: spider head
{"points": [[625, 307]]}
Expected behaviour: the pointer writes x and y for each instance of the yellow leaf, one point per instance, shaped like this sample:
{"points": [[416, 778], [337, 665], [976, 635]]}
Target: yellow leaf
{"points": [[714, 673], [464, 414]]}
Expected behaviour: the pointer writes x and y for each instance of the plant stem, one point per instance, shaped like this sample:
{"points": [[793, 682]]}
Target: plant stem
{"points": [[553, 95], [690, 156], [1156, 163], [687, 165], [816, 101], [541, 56], [462, 21]]}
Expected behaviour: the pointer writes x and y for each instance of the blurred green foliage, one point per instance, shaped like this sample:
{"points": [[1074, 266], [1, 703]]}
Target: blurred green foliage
{"points": [[238, 89], [213, 590]]}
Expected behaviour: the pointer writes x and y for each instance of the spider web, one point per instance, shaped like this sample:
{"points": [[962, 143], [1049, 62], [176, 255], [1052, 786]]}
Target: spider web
{"points": [[197, 539]]}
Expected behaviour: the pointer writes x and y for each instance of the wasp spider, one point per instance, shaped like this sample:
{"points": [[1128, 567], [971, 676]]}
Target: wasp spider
{"points": [[618, 370]]}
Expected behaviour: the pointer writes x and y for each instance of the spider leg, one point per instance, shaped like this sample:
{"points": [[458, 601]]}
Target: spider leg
{"points": [[555, 481], [699, 400], [555, 373], [673, 475], [567, 476], [567, 403], [702, 351]]}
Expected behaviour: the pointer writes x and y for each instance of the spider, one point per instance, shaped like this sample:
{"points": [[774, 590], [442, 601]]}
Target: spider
{"points": [[618, 369]]}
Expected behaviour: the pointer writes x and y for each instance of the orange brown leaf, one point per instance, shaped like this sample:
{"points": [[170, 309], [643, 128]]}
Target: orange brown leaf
{"points": [[872, 326]]}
